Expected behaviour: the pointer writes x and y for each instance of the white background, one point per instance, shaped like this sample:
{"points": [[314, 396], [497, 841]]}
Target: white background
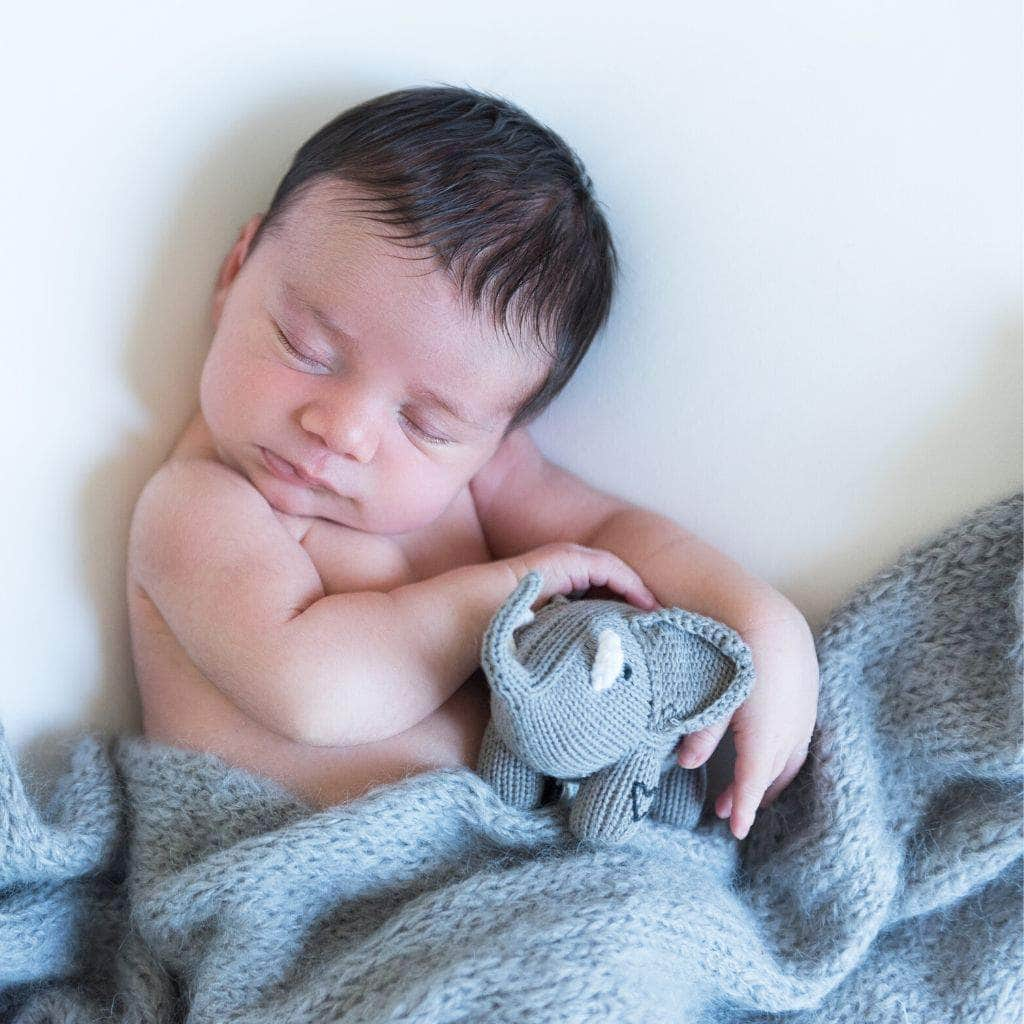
{"points": [[814, 358]]}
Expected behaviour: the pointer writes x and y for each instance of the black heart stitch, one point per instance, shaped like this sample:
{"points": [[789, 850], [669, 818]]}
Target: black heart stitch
{"points": [[644, 791]]}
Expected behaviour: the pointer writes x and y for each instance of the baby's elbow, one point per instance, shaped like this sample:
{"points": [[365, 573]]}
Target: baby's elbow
{"points": [[280, 717], [316, 725], [311, 725], [314, 731]]}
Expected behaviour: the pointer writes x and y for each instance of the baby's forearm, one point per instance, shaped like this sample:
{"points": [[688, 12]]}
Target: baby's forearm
{"points": [[684, 571], [371, 665]]}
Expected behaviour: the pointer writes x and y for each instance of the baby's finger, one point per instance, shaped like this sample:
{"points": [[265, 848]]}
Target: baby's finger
{"points": [[793, 765], [643, 598], [723, 805], [755, 771], [696, 748], [607, 569], [632, 588]]}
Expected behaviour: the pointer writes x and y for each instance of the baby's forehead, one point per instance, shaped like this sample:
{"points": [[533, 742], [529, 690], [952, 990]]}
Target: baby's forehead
{"points": [[353, 275]]}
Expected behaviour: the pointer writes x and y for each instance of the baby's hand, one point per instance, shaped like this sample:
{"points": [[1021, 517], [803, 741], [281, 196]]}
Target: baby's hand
{"points": [[772, 729], [569, 568]]}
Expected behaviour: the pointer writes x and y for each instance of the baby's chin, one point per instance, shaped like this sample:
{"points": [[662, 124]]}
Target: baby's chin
{"points": [[383, 522]]}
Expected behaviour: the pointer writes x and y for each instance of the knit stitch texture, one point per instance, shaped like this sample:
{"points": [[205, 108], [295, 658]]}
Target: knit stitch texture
{"points": [[597, 694], [159, 885]]}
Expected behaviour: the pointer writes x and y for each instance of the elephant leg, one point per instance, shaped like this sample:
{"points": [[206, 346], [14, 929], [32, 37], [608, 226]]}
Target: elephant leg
{"points": [[611, 803], [514, 781], [680, 798]]}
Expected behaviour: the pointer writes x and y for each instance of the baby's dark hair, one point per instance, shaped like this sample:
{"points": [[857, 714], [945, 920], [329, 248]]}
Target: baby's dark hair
{"points": [[499, 199]]}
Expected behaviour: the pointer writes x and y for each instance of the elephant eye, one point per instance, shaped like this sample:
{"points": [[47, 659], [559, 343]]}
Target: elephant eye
{"points": [[627, 672]]}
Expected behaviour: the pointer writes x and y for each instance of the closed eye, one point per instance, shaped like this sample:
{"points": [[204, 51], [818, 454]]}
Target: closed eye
{"points": [[296, 353], [433, 439], [426, 435]]}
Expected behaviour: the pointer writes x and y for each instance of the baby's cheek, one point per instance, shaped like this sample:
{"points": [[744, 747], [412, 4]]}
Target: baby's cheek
{"points": [[245, 392], [416, 498], [212, 396]]}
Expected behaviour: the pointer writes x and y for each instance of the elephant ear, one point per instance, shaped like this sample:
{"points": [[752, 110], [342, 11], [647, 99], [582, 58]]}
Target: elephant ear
{"points": [[514, 613], [700, 669]]}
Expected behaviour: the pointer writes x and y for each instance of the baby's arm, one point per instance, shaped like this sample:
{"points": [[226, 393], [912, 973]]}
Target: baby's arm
{"points": [[368, 665], [772, 728], [524, 500], [246, 603]]}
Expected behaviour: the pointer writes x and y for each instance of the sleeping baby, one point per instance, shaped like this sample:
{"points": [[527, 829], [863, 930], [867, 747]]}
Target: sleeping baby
{"points": [[311, 571]]}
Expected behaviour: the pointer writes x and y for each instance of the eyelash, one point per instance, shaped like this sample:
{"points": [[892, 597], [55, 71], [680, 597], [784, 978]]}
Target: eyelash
{"points": [[427, 437], [440, 441], [295, 352]]}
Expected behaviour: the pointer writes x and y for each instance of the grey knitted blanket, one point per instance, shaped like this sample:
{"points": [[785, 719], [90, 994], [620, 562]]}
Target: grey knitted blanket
{"points": [[157, 885]]}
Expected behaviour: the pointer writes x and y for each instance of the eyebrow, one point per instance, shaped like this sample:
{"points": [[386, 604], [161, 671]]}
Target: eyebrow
{"points": [[450, 405], [328, 324]]}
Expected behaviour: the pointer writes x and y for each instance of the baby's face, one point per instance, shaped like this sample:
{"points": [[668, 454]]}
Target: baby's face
{"points": [[395, 393]]}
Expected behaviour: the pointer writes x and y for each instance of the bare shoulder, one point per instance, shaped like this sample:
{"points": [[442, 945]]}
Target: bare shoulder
{"points": [[523, 500], [195, 515], [181, 478], [516, 458], [187, 493]]}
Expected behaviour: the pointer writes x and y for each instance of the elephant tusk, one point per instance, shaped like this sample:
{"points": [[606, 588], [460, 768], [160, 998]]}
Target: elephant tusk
{"points": [[608, 660]]}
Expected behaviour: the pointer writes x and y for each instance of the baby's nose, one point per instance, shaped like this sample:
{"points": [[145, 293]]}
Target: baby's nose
{"points": [[346, 429]]}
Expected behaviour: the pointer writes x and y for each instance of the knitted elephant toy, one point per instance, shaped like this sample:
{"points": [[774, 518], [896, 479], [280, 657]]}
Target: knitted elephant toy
{"points": [[598, 692]]}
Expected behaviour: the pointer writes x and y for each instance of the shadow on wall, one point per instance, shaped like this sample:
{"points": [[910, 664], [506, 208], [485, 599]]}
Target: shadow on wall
{"points": [[162, 358], [963, 460]]}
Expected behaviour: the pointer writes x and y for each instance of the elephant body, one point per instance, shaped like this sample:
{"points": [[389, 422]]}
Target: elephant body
{"points": [[597, 692]]}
